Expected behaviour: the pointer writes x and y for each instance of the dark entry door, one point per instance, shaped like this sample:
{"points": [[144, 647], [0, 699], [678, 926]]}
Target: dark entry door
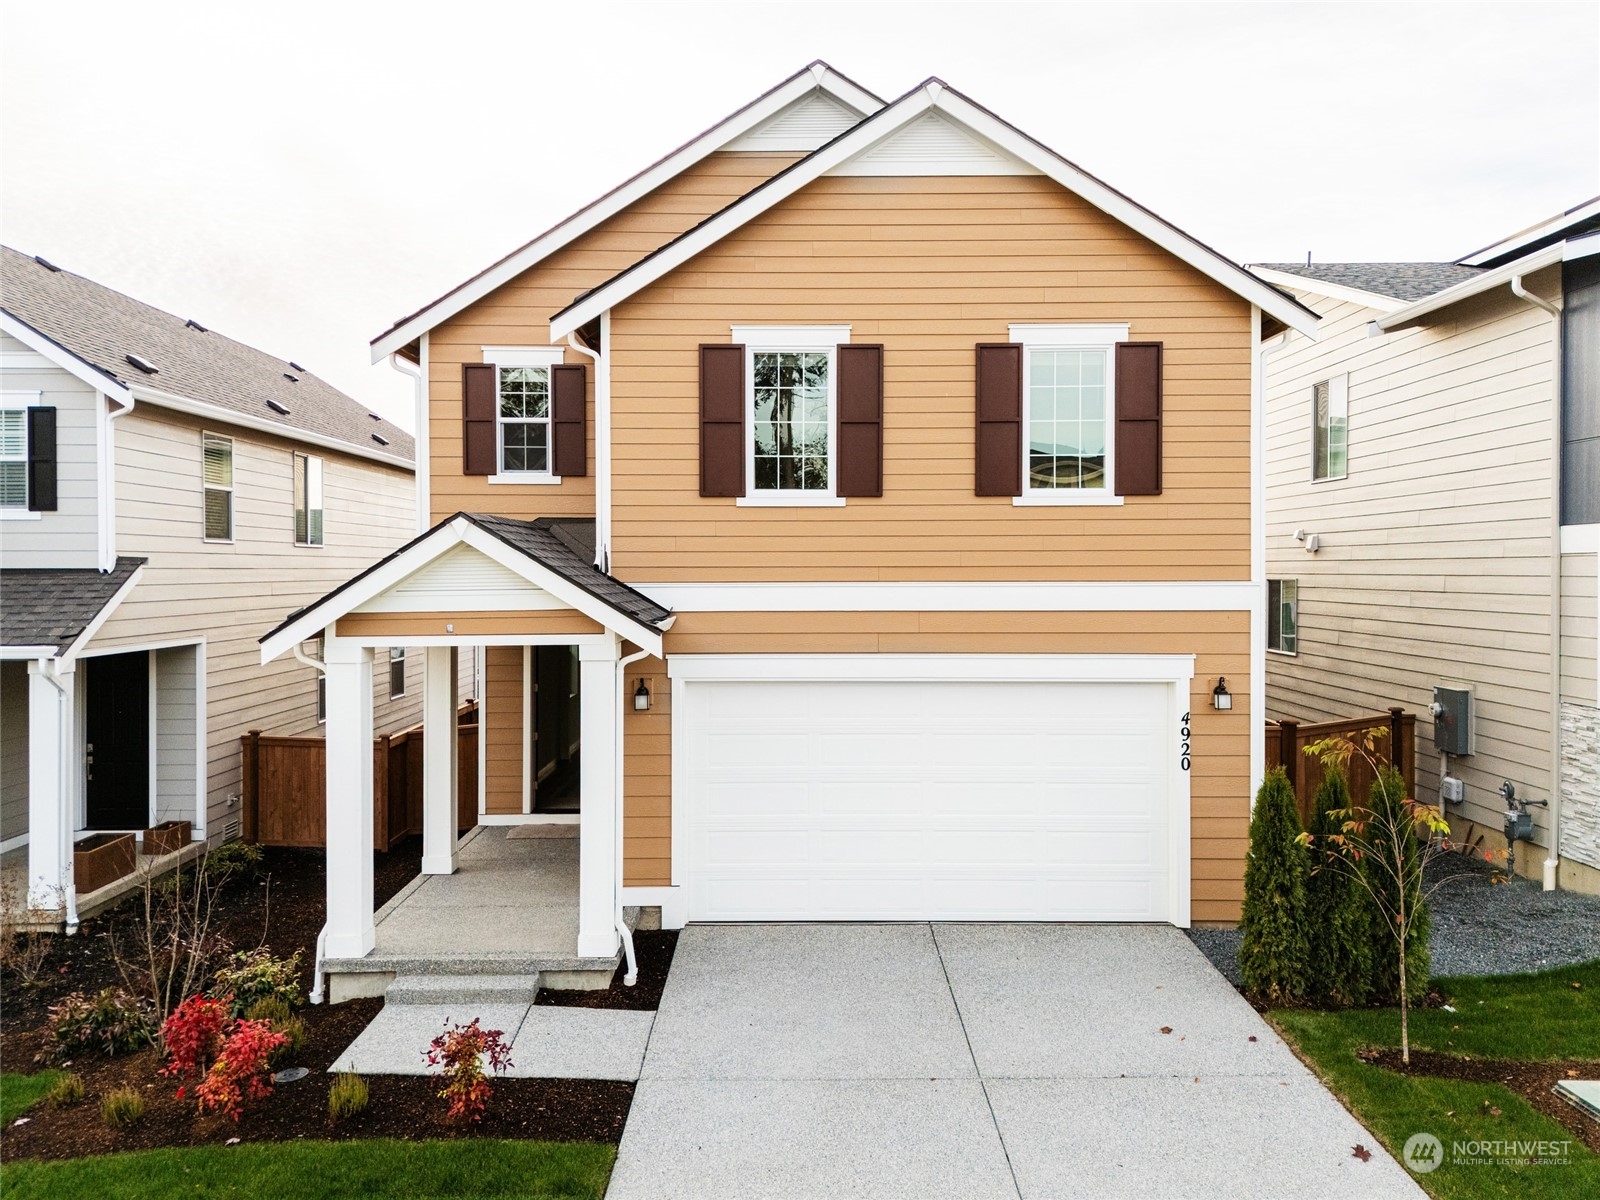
{"points": [[117, 741]]}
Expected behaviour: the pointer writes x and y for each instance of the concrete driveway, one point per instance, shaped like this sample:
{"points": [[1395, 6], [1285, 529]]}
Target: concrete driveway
{"points": [[806, 1062]]}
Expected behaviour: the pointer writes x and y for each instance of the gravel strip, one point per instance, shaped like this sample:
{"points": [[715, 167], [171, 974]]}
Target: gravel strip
{"points": [[1479, 927]]}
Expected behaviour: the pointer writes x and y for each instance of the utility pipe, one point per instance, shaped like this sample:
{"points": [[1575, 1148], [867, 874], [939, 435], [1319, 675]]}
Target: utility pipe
{"points": [[108, 486], [1258, 549], [420, 463], [1553, 853], [632, 975], [602, 439]]}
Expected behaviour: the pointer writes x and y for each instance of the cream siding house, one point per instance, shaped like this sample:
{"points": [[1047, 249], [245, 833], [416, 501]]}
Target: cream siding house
{"points": [[1433, 485], [191, 503]]}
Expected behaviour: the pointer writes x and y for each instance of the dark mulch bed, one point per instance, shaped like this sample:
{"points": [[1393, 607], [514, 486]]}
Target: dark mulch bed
{"points": [[1532, 1081], [653, 949], [285, 900]]}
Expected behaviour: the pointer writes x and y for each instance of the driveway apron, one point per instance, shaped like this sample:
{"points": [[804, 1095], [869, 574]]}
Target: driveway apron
{"points": [[975, 1061]]}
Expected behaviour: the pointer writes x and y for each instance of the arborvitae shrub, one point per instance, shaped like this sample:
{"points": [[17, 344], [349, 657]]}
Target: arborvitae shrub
{"points": [[1338, 908], [1275, 952]]}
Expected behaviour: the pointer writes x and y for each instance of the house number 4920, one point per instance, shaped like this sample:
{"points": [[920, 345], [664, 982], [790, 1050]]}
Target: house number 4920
{"points": [[1183, 743]]}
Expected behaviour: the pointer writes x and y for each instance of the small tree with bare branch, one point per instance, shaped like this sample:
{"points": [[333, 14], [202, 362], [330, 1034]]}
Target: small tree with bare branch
{"points": [[168, 954]]}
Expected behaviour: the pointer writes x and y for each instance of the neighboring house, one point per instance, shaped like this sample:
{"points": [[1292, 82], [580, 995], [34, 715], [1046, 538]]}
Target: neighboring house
{"points": [[893, 479], [164, 492], [1438, 449]]}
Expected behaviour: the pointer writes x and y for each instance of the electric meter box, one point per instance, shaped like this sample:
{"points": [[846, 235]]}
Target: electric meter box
{"points": [[1452, 720]]}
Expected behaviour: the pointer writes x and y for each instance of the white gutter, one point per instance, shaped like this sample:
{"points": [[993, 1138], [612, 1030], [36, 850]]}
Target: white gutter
{"points": [[1553, 851], [107, 481], [632, 975], [602, 439], [50, 670], [1487, 282], [418, 373]]}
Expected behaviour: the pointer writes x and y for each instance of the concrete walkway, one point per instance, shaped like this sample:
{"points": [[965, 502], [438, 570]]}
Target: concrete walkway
{"points": [[974, 1061]]}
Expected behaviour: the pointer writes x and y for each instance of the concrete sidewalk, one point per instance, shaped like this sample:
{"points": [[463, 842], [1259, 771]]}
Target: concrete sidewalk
{"points": [[975, 1061]]}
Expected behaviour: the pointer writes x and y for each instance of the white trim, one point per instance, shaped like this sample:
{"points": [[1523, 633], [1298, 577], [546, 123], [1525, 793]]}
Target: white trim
{"points": [[1338, 397], [1068, 336], [1411, 314], [20, 840], [790, 337], [26, 653], [202, 753], [791, 499], [1580, 539], [524, 356], [152, 711], [106, 474], [527, 729], [205, 437], [483, 736], [1581, 247], [673, 902], [1333, 291], [1133, 596], [540, 358], [875, 129], [1543, 229], [1056, 668], [21, 400], [62, 357], [528, 818], [819, 76], [167, 644], [412, 641], [76, 650]]}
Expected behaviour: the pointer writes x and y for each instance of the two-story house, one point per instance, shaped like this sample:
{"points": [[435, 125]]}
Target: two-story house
{"points": [[888, 485], [1433, 501], [164, 492]]}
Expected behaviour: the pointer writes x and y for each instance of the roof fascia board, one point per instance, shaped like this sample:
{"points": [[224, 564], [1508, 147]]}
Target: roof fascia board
{"points": [[1544, 229], [869, 133], [1333, 291], [1467, 288], [62, 357], [104, 615], [736, 125], [18, 653], [215, 412]]}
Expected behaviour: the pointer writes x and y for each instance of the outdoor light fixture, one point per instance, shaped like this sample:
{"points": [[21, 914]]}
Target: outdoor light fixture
{"points": [[1220, 697], [641, 698]]}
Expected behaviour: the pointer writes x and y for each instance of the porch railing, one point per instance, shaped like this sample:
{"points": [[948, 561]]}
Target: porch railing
{"points": [[1287, 741]]}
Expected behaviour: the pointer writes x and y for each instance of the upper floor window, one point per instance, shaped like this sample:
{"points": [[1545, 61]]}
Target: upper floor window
{"points": [[14, 454], [1067, 422], [790, 401], [307, 500], [1283, 615], [524, 437], [1330, 420], [217, 452]]}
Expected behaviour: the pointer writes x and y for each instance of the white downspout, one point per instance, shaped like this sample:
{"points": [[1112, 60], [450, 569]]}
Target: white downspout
{"points": [[621, 810], [50, 669], [108, 485], [1553, 852], [419, 463], [602, 439], [316, 996], [1258, 545]]}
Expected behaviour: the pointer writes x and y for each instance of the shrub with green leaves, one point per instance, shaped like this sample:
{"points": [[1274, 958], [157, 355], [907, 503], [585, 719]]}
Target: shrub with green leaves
{"points": [[1388, 805], [67, 1091], [121, 1108], [270, 1009], [1274, 955], [252, 976], [111, 1023], [233, 859], [347, 1096], [293, 1031], [1339, 913]]}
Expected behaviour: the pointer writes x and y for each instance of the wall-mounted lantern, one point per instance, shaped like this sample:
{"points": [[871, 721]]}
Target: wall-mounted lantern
{"points": [[641, 698], [1221, 699]]}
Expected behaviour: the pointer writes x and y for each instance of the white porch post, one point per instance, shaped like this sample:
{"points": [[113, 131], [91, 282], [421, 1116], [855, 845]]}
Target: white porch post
{"points": [[439, 742], [52, 811], [597, 802], [349, 799]]}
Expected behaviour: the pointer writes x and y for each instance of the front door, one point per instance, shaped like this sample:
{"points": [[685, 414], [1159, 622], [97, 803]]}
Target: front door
{"points": [[116, 749]]}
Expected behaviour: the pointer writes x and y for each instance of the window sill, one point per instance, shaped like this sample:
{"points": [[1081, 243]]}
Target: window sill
{"points": [[525, 477], [1331, 478], [792, 500], [1039, 500], [1283, 653], [217, 541], [308, 545], [20, 514]]}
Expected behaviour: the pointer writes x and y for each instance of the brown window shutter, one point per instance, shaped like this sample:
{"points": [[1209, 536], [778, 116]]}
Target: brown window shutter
{"points": [[569, 427], [859, 394], [722, 427], [1138, 444], [478, 400], [999, 453]]}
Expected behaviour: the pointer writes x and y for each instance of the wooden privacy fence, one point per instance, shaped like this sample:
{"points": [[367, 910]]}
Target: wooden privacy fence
{"points": [[1287, 741], [285, 785]]}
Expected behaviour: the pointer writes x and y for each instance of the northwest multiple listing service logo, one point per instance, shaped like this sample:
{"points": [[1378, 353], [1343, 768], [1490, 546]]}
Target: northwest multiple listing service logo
{"points": [[1423, 1153]]}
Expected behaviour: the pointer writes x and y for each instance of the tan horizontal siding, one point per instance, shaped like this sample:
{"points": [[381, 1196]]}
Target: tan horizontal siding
{"points": [[548, 622], [503, 729], [647, 778]]}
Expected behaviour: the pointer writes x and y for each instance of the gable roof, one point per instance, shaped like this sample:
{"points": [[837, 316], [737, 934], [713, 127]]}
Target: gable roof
{"points": [[1405, 281], [93, 331], [54, 608], [555, 553], [802, 89], [933, 95], [1579, 219]]}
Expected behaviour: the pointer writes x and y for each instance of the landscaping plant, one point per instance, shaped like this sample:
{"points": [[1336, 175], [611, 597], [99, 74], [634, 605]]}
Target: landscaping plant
{"points": [[173, 944], [121, 1107], [242, 1073], [1275, 951], [251, 976], [347, 1096], [1339, 914], [459, 1053], [22, 950], [193, 1036], [113, 1022], [68, 1090]]}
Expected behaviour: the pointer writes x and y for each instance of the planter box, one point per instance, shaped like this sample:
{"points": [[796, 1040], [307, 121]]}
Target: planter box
{"points": [[101, 859], [166, 838]]}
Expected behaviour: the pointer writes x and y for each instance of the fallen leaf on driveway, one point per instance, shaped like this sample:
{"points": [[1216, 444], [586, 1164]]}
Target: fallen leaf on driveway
{"points": [[1252, 1037], [1361, 1152], [1166, 1029]]}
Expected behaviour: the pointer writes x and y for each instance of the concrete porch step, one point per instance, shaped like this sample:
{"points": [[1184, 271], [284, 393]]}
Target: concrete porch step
{"points": [[462, 989]]}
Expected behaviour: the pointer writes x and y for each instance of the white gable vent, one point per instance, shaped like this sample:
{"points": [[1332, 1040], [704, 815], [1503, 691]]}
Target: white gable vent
{"points": [[809, 122], [933, 145]]}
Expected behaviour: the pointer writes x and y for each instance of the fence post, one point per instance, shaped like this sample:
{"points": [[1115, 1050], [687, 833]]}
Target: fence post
{"points": [[380, 792], [250, 769], [1289, 750], [1397, 758]]}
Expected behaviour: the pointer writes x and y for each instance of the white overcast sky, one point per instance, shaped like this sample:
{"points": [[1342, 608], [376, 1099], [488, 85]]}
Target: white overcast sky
{"points": [[297, 175]]}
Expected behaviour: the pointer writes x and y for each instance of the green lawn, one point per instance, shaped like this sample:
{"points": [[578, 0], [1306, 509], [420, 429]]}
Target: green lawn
{"points": [[475, 1167], [19, 1093], [1524, 1017]]}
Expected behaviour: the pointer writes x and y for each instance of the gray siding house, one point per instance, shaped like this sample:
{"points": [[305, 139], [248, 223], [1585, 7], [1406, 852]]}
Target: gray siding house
{"points": [[165, 494]]}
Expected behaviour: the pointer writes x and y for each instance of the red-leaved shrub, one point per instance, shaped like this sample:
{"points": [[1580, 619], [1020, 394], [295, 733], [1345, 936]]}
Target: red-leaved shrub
{"points": [[193, 1036], [242, 1073], [459, 1052]]}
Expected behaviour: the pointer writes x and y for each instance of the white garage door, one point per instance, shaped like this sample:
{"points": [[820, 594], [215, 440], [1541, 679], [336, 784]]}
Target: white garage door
{"points": [[829, 800]]}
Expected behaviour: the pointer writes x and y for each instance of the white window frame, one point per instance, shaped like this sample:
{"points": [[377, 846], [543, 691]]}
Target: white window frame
{"points": [[397, 658], [233, 474], [13, 401], [321, 476], [524, 356], [790, 339], [1338, 401], [1294, 605], [1070, 337]]}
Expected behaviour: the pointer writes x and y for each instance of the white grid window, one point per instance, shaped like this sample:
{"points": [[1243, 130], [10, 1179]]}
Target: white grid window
{"points": [[1067, 429], [14, 458], [524, 425], [1330, 419], [792, 408], [307, 500], [1283, 615], [218, 455]]}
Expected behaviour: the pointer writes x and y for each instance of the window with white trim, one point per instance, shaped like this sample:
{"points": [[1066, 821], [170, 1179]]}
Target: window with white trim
{"points": [[1330, 424], [524, 436], [1068, 427], [217, 452], [789, 396], [307, 500], [14, 453], [1283, 615], [397, 672]]}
